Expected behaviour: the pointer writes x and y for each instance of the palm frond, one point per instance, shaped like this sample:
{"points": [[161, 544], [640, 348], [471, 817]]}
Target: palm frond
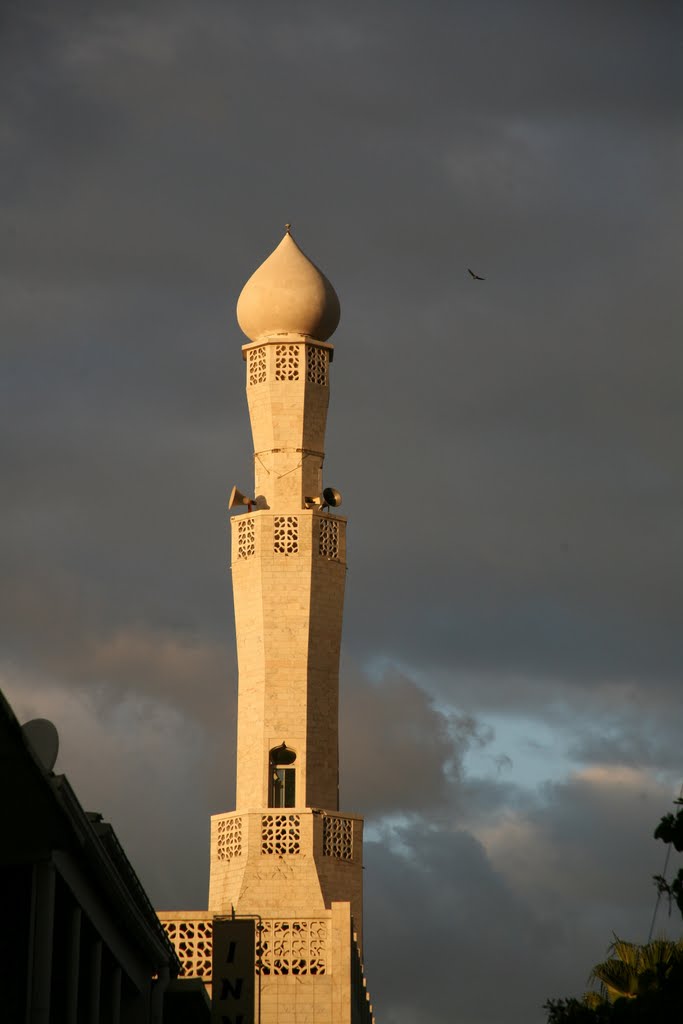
{"points": [[616, 979]]}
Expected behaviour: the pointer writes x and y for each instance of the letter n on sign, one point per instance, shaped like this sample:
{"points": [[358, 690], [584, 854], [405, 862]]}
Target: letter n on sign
{"points": [[233, 976]]}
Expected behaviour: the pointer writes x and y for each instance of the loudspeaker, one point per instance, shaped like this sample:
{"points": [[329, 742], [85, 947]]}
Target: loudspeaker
{"points": [[331, 498], [328, 499], [237, 498]]}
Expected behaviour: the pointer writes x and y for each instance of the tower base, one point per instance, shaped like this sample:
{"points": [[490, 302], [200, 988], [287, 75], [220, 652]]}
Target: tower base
{"points": [[303, 971]]}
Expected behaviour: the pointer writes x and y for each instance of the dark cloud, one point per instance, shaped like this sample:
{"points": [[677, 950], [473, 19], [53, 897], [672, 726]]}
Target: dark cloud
{"points": [[421, 962], [386, 764], [522, 901], [509, 452]]}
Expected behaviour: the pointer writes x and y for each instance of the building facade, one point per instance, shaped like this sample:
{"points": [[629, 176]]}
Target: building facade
{"points": [[287, 858], [80, 941]]}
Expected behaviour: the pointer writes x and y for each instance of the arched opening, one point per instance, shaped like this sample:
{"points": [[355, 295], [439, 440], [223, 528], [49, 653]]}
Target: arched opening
{"points": [[282, 777]]}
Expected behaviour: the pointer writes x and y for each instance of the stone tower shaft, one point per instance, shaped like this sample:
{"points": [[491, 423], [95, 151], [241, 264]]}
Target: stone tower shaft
{"points": [[288, 553], [288, 561], [288, 420]]}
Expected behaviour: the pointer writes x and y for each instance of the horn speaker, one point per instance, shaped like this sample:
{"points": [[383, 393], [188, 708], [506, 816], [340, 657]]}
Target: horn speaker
{"points": [[237, 498], [330, 498]]}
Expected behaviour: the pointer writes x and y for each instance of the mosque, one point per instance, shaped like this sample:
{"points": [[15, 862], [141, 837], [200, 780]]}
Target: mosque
{"points": [[281, 939]]}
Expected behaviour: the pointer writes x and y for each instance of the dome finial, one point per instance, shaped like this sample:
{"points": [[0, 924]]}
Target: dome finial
{"points": [[288, 294]]}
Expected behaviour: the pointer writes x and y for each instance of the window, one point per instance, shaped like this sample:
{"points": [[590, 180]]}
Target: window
{"points": [[282, 777]]}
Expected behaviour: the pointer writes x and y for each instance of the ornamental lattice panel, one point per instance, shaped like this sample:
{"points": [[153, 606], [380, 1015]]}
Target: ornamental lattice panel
{"points": [[229, 839], [328, 539], [285, 535], [338, 838], [246, 540], [293, 947], [286, 362], [316, 365], [281, 833], [193, 941], [257, 366]]}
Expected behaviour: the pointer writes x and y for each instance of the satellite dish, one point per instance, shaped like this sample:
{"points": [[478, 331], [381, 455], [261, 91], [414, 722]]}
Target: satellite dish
{"points": [[43, 739]]}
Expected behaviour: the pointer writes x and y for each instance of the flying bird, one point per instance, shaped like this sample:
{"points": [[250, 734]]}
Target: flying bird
{"points": [[475, 276]]}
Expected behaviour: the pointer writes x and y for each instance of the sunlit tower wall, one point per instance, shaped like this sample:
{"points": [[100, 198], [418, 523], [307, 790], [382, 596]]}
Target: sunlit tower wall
{"points": [[287, 856]]}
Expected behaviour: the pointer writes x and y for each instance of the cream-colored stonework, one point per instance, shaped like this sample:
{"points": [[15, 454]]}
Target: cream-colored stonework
{"points": [[308, 969], [277, 861], [288, 293], [288, 611], [286, 855]]}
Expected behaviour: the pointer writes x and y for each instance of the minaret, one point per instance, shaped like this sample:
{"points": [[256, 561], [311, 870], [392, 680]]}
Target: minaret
{"points": [[288, 556], [286, 855]]}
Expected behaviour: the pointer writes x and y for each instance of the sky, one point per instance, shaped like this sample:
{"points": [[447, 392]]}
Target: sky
{"points": [[509, 450]]}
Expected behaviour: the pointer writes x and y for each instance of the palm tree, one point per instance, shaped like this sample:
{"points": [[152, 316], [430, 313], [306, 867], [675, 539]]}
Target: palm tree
{"points": [[633, 970]]}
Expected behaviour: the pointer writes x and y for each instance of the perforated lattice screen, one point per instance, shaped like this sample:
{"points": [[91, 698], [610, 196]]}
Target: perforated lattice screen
{"points": [[293, 947], [193, 941], [338, 838], [256, 363], [328, 544], [286, 362], [280, 833], [246, 541], [316, 365], [229, 840], [286, 535]]}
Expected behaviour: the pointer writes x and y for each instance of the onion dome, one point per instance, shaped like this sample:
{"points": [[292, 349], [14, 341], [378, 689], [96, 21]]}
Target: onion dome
{"points": [[288, 295]]}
